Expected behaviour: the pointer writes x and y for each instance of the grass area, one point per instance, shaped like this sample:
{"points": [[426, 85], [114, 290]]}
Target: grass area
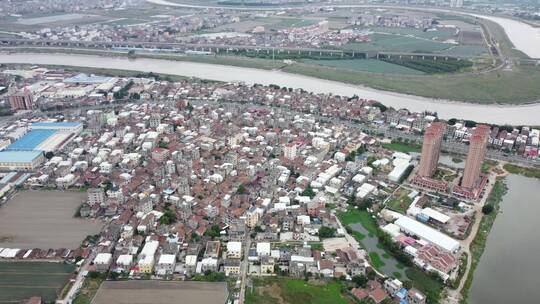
{"points": [[365, 65], [358, 235], [528, 172], [444, 175], [479, 243], [509, 87], [355, 216], [88, 290], [376, 260], [21, 280], [431, 287], [404, 147], [397, 275], [400, 201], [287, 290], [488, 165]]}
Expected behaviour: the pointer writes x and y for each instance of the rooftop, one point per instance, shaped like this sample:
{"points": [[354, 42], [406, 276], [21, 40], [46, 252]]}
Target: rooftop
{"points": [[18, 156], [31, 140]]}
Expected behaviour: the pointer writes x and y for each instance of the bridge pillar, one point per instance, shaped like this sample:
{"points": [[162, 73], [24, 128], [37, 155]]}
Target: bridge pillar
{"points": [[423, 57]]}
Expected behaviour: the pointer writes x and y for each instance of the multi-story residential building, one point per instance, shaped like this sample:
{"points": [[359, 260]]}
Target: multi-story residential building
{"points": [[475, 157], [431, 149], [95, 196]]}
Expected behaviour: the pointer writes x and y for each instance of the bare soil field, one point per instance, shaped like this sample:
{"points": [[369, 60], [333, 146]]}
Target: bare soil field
{"points": [[160, 292], [44, 219]]}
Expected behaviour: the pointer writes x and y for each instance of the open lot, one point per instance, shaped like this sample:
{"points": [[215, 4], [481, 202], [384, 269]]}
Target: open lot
{"points": [[285, 291], [21, 280], [160, 292], [44, 219]]}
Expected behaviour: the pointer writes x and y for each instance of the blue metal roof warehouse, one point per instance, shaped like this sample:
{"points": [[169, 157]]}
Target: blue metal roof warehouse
{"points": [[31, 140]]}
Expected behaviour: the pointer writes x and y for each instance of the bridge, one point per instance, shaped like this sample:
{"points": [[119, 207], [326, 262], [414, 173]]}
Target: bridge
{"points": [[203, 48]]}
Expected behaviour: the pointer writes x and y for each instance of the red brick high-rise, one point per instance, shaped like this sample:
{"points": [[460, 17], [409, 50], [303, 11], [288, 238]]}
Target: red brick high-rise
{"points": [[475, 157], [22, 100], [431, 149]]}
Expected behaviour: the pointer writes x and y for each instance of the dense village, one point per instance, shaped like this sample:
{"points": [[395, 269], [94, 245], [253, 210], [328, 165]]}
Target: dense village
{"points": [[211, 181]]}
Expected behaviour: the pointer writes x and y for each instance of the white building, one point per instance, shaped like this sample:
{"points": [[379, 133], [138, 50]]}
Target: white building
{"points": [[234, 250], [165, 265]]}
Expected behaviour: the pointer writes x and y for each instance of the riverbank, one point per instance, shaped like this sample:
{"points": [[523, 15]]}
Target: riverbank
{"points": [[515, 87], [527, 172], [514, 115]]}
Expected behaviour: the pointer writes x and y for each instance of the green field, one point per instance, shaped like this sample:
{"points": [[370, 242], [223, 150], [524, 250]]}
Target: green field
{"points": [[398, 43], [353, 216], [428, 285], [22, 280], [506, 87], [293, 291], [376, 260], [365, 65], [400, 201]]}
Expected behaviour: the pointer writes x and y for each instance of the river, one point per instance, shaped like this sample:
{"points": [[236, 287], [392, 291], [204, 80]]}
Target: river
{"points": [[516, 115], [508, 270]]}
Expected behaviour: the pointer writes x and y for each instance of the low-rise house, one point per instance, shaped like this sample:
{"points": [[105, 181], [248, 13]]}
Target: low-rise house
{"points": [[103, 261], [231, 267]]}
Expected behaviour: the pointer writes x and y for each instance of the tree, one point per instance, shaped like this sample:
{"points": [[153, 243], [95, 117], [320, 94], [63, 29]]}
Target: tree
{"points": [[168, 217], [360, 280], [487, 209], [213, 232], [327, 232], [241, 189], [308, 192], [49, 155]]}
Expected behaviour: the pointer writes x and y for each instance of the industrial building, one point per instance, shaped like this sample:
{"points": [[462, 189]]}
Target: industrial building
{"points": [[413, 227], [20, 160], [26, 153]]}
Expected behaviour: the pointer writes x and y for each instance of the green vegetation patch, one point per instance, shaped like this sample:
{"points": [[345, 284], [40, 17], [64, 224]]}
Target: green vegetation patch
{"points": [[22, 280], [376, 260], [528, 172], [479, 243], [287, 290], [355, 216], [488, 165], [405, 147], [400, 201], [431, 66], [430, 286]]}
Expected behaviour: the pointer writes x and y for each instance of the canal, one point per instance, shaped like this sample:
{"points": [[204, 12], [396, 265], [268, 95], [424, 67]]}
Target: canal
{"points": [[508, 270]]}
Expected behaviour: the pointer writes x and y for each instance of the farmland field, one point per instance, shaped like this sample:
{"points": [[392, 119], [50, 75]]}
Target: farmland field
{"points": [[398, 43], [22, 280], [44, 219], [160, 292]]}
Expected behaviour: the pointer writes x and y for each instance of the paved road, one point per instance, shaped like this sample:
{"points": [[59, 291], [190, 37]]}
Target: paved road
{"points": [[79, 281], [244, 270]]}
